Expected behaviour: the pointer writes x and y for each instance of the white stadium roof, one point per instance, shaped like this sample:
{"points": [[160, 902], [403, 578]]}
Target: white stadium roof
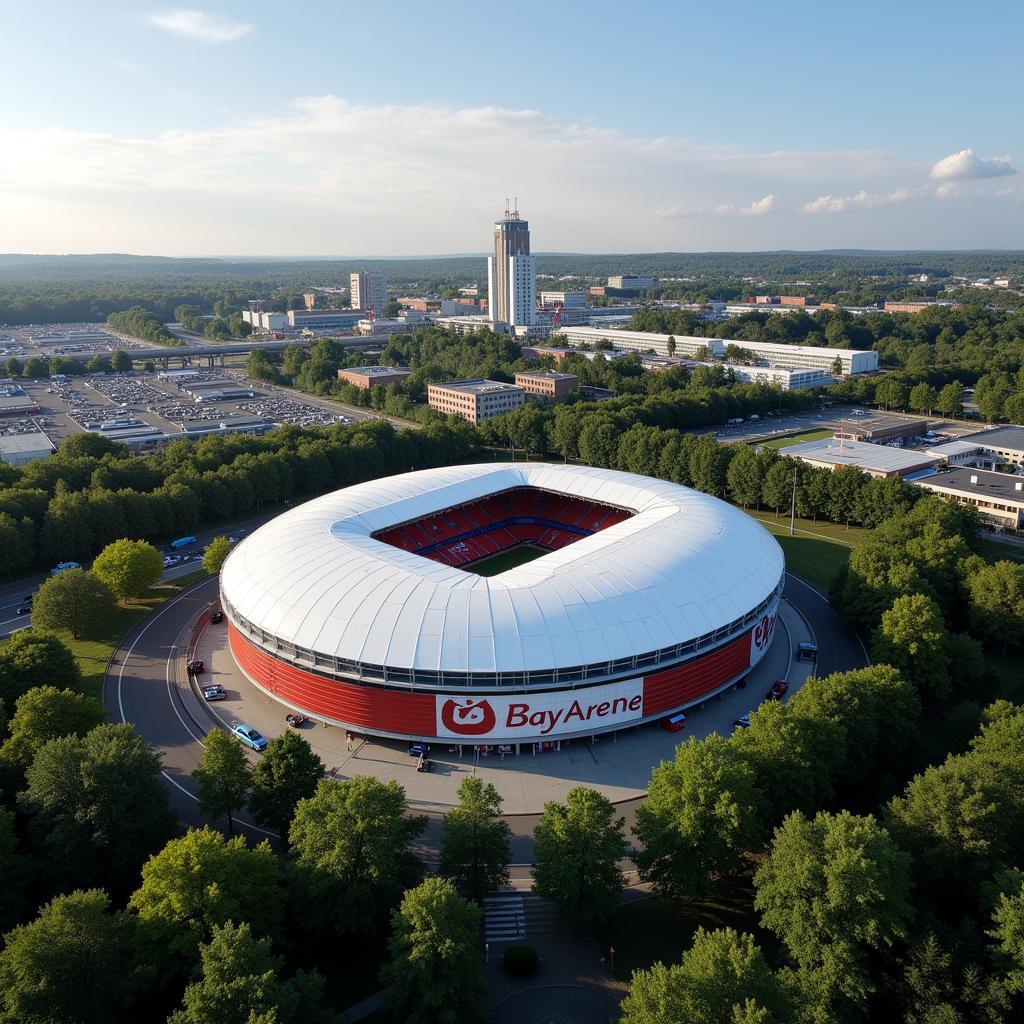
{"points": [[683, 566]]}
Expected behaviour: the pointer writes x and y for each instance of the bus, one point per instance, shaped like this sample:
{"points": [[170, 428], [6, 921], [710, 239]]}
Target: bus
{"points": [[182, 542], [64, 565]]}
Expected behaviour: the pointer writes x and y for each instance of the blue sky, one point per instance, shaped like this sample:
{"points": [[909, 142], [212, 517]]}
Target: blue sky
{"points": [[310, 129]]}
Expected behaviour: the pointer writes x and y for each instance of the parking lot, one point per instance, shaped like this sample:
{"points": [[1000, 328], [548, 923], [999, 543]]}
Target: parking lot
{"points": [[27, 340]]}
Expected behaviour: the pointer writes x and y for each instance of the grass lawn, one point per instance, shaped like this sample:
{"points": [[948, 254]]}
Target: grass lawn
{"points": [[993, 551], [797, 437], [506, 560], [816, 550], [660, 929], [93, 653]]}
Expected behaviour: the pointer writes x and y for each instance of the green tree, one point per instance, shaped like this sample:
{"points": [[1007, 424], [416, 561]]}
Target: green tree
{"points": [[723, 976], [577, 847], [120, 361], [777, 489], [240, 984], [892, 393], [912, 637], [834, 888], [75, 601], [996, 596], [475, 840], [287, 772], [45, 713], [217, 552], [709, 463], [434, 972], [923, 398], [200, 881], [74, 964], [128, 567], [350, 852], [837, 367], [1008, 931], [699, 818], [224, 777], [951, 399], [98, 805], [745, 476], [34, 658], [14, 870]]}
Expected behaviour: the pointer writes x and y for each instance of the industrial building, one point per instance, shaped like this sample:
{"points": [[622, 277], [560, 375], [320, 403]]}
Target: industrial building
{"points": [[17, 449], [475, 400], [1003, 445], [643, 597], [547, 383], [882, 430], [874, 459], [343, 319], [998, 497], [367, 377]]}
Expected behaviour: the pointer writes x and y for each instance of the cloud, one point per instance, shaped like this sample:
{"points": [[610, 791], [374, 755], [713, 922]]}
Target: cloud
{"points": [[758, 208], [193, 24], [966, 164], [860, 201]]}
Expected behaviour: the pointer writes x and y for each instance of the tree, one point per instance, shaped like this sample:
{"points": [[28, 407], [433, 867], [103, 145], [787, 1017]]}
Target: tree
{"points": [[996, 606], [912, 638], [834, 888], [1008, 918], [240, 984], [923, 398], [475, 840], [14, 870], [98, 804], [891, 392], [224, 776], [200, 881], [34, 658], [951, 399], [217, 552], [128, 567], [777, 490], [120, 361], [745, 476], [75, 601], [350, 852], [723, 976], [434, 970], [73, 963], [709, 463], [699, 817], [45, 713], [837, 367], [577, 847], [287, 772], [670, 346]]}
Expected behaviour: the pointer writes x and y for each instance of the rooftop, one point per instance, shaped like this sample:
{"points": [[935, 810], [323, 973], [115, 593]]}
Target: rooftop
{"points": [[477, 387], [36, 441], [546, 374], [978, 482], [375, 371], [1009, 438], [954, 448], [877, 457]]}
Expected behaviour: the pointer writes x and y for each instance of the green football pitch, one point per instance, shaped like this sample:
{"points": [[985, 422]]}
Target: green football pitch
{"points": [[506, 560]]}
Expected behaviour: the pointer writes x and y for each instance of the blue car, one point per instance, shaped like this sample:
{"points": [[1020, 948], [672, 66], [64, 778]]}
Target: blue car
{"points": [[250, 737]]}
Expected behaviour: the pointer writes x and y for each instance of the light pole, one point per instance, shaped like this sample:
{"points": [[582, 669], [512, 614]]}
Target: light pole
{"points": [[792, 507]]}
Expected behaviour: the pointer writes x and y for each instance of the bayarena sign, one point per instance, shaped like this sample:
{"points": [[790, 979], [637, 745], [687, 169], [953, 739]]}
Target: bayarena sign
{"points": [[365, 609]]}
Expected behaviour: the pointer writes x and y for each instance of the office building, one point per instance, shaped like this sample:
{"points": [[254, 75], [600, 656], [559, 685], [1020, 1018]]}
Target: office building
{"points": [[884, 430], [367, 377], [568, 300], [512, 273], [475, 400], [368, 291], [264, 320], [876, 460], [643, 341], [547, 383], [632, 283], [998, 497], [343, 319], [779, 376], [1002, 445]]}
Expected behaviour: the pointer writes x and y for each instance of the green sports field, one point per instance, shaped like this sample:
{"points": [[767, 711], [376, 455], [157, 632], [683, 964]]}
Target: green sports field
{"points": [[505, 560], [797, 437]]}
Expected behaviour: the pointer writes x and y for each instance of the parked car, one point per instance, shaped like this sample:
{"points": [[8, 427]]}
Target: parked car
{"points": [[743, 722], [419, 749], [214, 692], [806, 652], [250, 737], [779, 687], [216, 616], [195, 666]]}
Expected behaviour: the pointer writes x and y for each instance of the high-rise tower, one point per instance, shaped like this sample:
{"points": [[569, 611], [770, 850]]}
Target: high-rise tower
{"points": [[511, 273]]}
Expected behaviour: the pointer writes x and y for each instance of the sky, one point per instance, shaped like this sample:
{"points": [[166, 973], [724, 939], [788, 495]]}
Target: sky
{"points": [[335, 128]]}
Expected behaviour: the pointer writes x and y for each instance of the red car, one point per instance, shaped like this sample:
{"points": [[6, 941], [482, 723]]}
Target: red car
{"points": [[779, 687], [673, 723]]}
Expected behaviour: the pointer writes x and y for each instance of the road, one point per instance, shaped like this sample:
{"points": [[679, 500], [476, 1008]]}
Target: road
{"points": [[139, 688]]}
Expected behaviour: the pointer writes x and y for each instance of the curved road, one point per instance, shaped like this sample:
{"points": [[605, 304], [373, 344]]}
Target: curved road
{"points": [[139, 688]]}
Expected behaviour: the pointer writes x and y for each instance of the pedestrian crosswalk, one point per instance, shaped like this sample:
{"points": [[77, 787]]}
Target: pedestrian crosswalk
{"points": [[509, 915]]}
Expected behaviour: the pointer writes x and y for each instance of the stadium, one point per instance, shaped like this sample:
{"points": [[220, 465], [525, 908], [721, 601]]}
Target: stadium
{"points": [[510, 604]]}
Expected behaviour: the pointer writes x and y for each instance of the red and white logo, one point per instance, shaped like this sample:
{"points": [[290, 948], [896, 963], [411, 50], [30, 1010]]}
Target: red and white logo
{"points": [[761, 636], [468, 716]]}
